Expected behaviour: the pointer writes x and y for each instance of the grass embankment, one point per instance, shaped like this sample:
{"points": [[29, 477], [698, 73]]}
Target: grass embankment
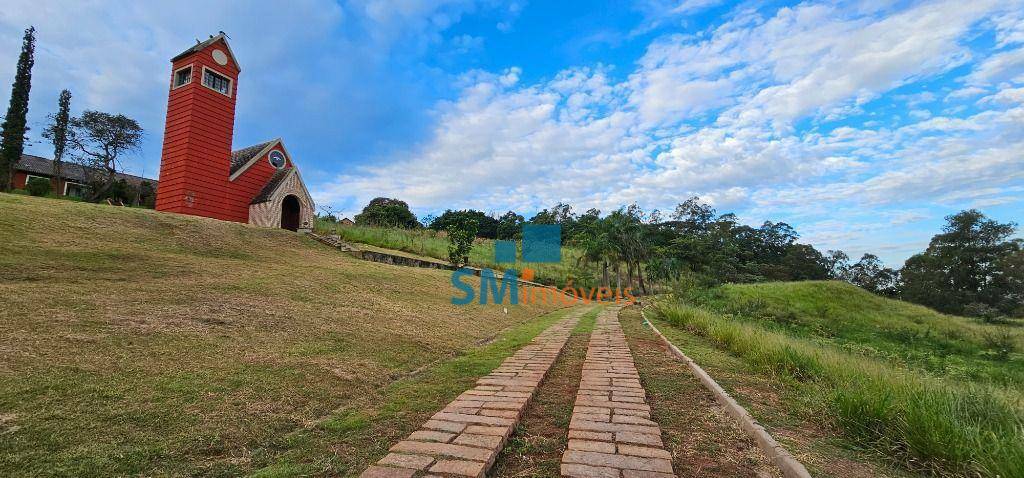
{"points": [[842, 357], [430, 243], [134, 342]]}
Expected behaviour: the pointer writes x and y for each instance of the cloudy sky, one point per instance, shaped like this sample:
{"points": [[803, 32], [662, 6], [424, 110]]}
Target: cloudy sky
{"points": [[862, 124]]}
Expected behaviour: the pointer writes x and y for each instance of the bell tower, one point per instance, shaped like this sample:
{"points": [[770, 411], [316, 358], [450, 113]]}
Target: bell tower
{"points": [[195, 161]]}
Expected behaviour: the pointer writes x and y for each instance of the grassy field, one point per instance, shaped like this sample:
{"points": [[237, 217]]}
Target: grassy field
{"points": [[931, 392], [430, 243], [139, 343]]}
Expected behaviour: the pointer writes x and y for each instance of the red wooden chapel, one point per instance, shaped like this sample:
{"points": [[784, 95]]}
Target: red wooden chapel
{"points": [[199, 172]]}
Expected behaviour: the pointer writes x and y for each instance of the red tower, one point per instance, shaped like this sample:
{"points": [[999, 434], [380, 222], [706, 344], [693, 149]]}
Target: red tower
{"points": [[195, 162]]}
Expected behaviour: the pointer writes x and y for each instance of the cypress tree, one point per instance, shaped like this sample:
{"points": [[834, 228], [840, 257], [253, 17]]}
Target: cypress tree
{"points": [[14, 126], [57, 133]]}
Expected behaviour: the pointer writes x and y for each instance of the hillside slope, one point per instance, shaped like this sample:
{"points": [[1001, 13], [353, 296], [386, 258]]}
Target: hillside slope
{"points": [[137, 342], [858, 321], [923, 391]]}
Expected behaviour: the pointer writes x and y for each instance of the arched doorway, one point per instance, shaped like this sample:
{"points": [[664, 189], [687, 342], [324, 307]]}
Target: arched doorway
{"points": [[290, 213]]}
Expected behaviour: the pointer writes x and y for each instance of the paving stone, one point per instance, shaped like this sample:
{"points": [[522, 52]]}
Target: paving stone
{"points": [[615, 460], [430, 435], [387, 472], [583, 471], [639, 438], [585, 435], [460, 467], [644, 451], [444, 426], [480, 441], [645, 474], [415, 462], [485, 430], [444, 449], [587, 445]]}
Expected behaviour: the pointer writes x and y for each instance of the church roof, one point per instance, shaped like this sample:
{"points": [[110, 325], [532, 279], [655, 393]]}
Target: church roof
{"points": [[240, 157], [272, 184]]}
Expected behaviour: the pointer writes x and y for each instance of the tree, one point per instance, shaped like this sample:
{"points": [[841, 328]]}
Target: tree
{"points": [[487, 226], [14, 125], [973, 261], [387, 212], [57, 132], [869, 273], [99, 140], [510, 226], [461, 232]]}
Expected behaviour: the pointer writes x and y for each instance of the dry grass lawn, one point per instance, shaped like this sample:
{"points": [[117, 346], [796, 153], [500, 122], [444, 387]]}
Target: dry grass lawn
{"points": [[139, 343]]}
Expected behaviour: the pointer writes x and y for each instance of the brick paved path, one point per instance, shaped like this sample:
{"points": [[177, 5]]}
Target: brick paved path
{"points": [[611, 433], [466, 436]]}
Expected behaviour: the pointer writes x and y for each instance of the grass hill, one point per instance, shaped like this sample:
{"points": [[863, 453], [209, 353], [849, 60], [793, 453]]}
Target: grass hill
{"points": [[929, 391], [134, 342]]}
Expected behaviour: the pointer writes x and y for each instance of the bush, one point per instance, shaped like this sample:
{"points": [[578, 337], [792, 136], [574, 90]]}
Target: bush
{"points": [[461, 233], [38, 186]]}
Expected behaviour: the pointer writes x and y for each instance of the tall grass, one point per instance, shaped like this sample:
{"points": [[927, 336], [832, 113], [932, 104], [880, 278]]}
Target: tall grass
{"points": [[924, 423], [430, 243]]}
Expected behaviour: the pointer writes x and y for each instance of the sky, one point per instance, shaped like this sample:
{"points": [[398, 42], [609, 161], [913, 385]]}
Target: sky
{"points": [[861, 124]]}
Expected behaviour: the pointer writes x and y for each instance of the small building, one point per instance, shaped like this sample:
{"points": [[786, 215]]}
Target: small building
{"points": [[346, 222], [74, 176], [200, 174]]}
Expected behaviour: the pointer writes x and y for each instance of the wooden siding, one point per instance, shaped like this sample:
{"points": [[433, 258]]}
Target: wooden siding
{"points": [[196, 156]]}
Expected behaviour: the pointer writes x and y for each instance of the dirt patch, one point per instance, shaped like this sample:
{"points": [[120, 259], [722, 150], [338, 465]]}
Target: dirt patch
{"points": [[703, 440], [535, 450]]}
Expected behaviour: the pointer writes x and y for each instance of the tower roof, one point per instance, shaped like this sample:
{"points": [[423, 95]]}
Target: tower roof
{"points": [[200, 46]]}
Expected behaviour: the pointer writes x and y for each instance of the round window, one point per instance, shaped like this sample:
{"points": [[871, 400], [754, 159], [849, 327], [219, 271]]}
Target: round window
{"points": [[277, 159]]}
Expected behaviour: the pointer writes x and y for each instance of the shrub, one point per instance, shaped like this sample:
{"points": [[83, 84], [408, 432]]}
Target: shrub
{"points": [[38, 186], [461, 233]]}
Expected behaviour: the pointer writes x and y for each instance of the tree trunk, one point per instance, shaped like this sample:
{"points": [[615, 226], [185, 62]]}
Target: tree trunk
{"points": [[618, 277], [629, 274], [605, 282], [640, 276]]}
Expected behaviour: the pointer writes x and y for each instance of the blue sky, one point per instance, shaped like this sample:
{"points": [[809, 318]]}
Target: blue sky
{"points": [[861, 124]]}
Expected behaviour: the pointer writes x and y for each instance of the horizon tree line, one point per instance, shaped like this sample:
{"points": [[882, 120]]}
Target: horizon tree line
{"points": [[973, 267]]}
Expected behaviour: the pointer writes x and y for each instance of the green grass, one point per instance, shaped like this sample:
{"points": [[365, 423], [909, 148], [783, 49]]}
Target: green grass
{"points": [[134, 342], [430, 243], [848, 318], [921, 420]]}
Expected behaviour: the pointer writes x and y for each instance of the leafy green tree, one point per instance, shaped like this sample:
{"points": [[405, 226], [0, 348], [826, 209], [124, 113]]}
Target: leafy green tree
{"points": [[12, 137], [972, 261], [461, 232], [387, 212], [510, 226], [99, 140], [57, 132], [487, 226], [869, 273]]}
